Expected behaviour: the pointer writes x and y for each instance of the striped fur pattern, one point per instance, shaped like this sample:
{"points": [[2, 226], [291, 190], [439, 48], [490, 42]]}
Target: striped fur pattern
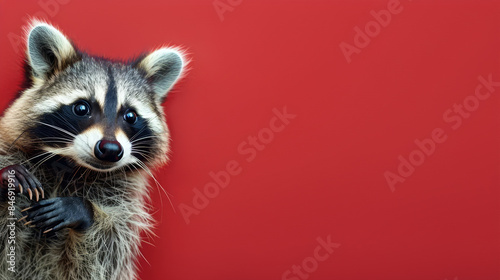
{"points": [[43, 131]]}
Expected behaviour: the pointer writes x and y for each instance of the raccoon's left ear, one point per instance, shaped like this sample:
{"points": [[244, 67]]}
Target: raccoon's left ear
{"points": [[49, 51], [163, 68]]}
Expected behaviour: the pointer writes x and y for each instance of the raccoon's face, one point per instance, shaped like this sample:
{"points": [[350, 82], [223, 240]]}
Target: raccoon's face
{"points": [[102, 115]]}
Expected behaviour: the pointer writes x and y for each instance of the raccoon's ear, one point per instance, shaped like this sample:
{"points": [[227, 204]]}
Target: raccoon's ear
{"points": [[48, 51], [163, 68]]}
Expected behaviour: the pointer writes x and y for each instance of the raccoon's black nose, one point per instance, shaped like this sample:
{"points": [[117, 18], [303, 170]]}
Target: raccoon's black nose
{"points": [[107, 150]]}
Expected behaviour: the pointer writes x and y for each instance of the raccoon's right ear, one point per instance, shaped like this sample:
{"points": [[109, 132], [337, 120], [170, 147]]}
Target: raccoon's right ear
{"points": [[48, 51]]}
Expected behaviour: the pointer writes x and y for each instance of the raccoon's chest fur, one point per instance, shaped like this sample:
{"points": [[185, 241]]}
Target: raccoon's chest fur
{"points": [[106, 251]]}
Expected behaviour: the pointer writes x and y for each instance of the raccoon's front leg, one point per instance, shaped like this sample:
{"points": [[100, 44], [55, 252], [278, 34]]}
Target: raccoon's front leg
{"points": [[54, 214], [18, 178]]}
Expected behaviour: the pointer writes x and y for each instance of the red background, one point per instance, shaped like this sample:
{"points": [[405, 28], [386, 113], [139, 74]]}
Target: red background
{"points": [[324, 173]]}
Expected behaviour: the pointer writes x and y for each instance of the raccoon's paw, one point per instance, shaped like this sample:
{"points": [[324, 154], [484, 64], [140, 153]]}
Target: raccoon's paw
{"points": [[22, 181], [54, 214]]}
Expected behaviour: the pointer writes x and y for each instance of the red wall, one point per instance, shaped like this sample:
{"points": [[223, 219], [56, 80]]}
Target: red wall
{"points": [[319, 176]]}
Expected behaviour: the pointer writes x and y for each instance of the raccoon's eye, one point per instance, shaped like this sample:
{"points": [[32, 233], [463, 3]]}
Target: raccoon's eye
{"points": [[130, 116], [81, 108]]}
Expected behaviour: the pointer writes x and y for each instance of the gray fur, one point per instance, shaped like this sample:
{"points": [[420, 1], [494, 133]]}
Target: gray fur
{"points": [[110, 247]]}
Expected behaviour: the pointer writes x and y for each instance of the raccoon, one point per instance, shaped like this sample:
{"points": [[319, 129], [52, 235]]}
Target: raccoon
{"points": [[77, 148]]}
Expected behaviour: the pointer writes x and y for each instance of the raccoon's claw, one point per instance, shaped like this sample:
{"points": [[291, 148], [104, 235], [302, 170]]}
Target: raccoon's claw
{"points": [[22, 180], [54, 214]]}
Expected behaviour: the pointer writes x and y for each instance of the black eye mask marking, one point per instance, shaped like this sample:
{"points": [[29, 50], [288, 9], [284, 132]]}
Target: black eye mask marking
{"points": [[141, 137], [57, 129]]}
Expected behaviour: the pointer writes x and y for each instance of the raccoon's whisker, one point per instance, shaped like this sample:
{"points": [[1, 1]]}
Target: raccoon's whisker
{"points": [[66, 121], [60, 141], [106, 174], [62, 130], [138, 171], [149, 158], [145, 168], [39, 155], [137, 134], [85, 173], [142, 145], [36, 166], [95, 178], [124, 173], [142, 149], [17, 138], [71, 180], [142, 255], [139, 150], [141, 167], [39, 142], [58, 128], [40, 139], [57, 138], [142, 138]]}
